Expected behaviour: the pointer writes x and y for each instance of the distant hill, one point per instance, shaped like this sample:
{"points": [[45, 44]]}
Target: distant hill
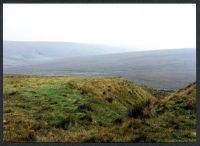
{"points": [[170, 69], [18, 53]]}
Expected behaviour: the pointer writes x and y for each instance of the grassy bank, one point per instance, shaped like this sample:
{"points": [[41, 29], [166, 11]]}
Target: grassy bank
{"points": [[94, 109]]}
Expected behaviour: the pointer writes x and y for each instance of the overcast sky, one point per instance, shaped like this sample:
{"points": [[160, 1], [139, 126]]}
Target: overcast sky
{"points": [[139, 26]]}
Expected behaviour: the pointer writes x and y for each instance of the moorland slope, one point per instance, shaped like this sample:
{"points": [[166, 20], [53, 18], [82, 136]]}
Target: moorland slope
{"points": [[95, 109]]}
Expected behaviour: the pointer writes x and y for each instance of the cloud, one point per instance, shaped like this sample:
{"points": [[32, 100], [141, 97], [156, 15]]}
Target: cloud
{"points": [[141, 26]]}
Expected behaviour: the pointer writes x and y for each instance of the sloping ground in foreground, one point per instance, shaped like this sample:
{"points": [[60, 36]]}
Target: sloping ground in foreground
{"points": [[94, 109]]}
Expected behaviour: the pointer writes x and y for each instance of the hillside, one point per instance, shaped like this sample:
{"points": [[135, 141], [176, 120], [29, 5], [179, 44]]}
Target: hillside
{"points": [[184, 99], [19, 53], [94, 109], [171, 69]]}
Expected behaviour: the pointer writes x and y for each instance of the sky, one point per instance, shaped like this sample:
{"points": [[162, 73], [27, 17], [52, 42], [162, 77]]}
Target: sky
{"points": [[137, 26]]}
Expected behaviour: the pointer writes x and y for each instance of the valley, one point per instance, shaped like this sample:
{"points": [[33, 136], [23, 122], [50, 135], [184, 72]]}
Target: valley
{"points": [[162, 69]]}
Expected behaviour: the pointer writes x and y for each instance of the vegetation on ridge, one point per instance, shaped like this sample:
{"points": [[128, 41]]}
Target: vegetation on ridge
{"points": [[94, 109]]}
